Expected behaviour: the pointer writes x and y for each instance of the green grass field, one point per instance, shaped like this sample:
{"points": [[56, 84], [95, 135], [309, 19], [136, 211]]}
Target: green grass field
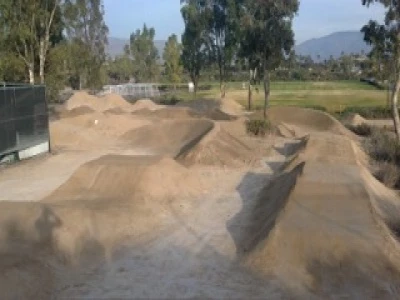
{"points": [[335, 96]]}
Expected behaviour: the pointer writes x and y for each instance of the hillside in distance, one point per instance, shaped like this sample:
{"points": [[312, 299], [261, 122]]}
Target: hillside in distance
{"points": [[334, 45], [331, 45]]}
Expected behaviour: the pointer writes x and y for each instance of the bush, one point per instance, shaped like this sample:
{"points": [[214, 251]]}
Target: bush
{"points": [[382, 146], [362, 130], [258, 127]]}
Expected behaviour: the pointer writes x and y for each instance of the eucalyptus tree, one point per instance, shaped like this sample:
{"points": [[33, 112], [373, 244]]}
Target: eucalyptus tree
{"points": [[172, 60], [195, 52], [385, 40], [268, 34], [87, 35]]}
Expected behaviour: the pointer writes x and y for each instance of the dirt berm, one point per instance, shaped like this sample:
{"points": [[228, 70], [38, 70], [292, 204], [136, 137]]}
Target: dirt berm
{"points": [[322, 225]]}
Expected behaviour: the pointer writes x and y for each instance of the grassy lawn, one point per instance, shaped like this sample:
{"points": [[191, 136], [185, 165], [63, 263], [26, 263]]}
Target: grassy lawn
{"points": [[335, 96]]}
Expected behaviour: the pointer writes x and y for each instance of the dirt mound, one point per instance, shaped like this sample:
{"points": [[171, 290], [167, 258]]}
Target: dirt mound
{"points": [[116, 101], [231, 107], [168, 137], [100, 104], [145, 104], [219, 148], [127, 178]]}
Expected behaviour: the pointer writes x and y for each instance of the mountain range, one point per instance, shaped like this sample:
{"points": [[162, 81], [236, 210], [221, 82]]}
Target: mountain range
{"points": [[318, 48], [335, 44]]}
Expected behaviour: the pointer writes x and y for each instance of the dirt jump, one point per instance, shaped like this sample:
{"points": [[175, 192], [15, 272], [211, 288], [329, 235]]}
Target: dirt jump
{"points": [[134, 203]]}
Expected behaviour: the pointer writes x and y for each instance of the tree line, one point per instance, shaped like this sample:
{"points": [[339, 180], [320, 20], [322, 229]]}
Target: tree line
{"points": [[53, 42]]}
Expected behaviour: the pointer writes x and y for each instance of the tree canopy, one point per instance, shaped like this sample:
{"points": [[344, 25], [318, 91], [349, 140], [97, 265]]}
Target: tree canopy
{"points": [[144, 54], [172, 60]]}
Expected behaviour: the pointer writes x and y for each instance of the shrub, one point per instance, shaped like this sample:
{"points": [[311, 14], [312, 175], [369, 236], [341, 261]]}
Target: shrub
{"points": [[169, 100], [362, 130], [258, 127], [382, 146]]}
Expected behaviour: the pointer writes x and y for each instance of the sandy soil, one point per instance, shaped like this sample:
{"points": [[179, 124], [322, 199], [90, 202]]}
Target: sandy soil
{"points": [[139, 206]]}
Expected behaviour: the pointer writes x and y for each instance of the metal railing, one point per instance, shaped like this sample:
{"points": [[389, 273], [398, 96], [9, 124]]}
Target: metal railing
{"points": [[133, 90]]}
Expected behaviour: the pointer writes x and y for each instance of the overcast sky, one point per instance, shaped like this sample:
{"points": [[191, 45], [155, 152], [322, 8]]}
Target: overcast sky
{"points": [[316, 18]]}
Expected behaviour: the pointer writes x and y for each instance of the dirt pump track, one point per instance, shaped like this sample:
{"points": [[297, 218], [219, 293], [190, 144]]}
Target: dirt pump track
{"points": [[216, 212]]}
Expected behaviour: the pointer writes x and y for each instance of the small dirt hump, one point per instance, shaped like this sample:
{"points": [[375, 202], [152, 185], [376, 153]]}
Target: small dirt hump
{"points": [[168, 137], [219, 148], [145, 104]]}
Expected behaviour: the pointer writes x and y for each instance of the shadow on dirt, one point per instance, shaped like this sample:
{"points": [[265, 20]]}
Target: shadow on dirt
{"points": [[263, 200], [31, 248]]}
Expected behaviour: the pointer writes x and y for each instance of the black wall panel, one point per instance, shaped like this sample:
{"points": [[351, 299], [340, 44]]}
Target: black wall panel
{"points": [[23, 118]]}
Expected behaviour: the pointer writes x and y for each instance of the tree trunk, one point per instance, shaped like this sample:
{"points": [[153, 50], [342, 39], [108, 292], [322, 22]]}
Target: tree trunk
{"points": [[222, 89], [31, 73], [395, 109], [195, 82], [250, 97], [266, 91], [42, 57], [250, 92], [221, 81]]}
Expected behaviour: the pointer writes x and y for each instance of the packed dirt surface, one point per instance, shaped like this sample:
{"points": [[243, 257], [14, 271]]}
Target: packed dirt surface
{"points": [[140, 204]]}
